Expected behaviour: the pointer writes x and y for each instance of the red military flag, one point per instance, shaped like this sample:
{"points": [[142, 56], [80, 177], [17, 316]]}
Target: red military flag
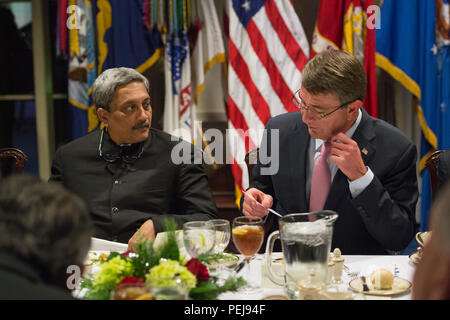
{"points": [[342, 24]]}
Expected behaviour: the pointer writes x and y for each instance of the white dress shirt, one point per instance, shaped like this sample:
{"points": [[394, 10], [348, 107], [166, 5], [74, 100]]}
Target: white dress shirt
{"points": [[357, 186]]}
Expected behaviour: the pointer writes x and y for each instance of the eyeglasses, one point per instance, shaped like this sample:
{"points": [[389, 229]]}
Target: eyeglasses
{"points": [[300, 104], [111, 158]]}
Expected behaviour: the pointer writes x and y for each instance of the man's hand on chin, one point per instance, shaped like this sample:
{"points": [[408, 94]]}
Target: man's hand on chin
{"points": [[145, 232], [346, 155]]}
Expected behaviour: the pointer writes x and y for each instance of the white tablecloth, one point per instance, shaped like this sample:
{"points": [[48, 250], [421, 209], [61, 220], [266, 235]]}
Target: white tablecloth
{"points": [[363, 264]]}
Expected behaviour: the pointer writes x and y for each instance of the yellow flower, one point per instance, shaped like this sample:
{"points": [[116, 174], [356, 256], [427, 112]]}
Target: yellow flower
{"points": [[113, 270], [168, 272]]}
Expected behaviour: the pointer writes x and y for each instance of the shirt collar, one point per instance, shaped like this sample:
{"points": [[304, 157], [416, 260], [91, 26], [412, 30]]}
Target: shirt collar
{"points": [[110, 147], [349, 133]]}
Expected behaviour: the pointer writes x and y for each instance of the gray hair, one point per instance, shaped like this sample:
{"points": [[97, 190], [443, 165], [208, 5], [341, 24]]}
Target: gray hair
{"points": [[43, 224], [108, 81], [337, 72]]}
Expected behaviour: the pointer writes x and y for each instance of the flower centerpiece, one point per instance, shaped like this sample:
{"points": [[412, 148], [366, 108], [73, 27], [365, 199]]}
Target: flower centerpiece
{"points": [[156, 268]]}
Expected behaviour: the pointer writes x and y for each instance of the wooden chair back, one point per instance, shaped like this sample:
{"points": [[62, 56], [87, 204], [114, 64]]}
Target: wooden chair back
{"points": [[432, 165], [19, 157]]}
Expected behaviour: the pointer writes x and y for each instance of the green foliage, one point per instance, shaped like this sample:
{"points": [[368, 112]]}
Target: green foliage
{"points": [[170, 250], [209, 290], [145, 259], [99, 291], [139, 265], [170, 225], [113, 255], [208, 258]]}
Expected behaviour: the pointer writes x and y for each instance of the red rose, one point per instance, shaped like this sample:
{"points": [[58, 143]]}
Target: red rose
{"points": [[198, 269], [131, 280], [126, 253]]}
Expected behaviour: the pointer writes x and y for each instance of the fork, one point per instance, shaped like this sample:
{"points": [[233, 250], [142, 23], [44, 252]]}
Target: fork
{"points": [[351, 274]]}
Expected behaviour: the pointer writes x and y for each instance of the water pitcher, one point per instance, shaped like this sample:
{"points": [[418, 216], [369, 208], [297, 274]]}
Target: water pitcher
{"points": [[306, 243]]}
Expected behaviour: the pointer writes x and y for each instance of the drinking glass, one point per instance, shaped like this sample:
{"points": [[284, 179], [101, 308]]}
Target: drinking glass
{"points": [[223, 234], [198, 237], [176, 292], [248, 236], [131, 291]]}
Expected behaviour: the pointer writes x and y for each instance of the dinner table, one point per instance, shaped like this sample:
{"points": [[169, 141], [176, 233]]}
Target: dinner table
{"points": [[401, 266]]}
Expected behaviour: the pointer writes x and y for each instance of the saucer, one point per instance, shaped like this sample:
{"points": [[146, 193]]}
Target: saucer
{"points": [[415, 257], [399, 286]]}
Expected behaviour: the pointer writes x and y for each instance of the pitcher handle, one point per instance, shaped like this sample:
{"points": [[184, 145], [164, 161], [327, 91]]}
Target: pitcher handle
{"points": [[269, 248]]}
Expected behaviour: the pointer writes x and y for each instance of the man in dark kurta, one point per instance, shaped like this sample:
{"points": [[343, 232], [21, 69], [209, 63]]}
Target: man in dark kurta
{"points": [[126, 172]]}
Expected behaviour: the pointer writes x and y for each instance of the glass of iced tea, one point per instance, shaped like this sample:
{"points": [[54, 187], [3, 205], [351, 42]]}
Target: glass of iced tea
{"points": [[248, 236]]}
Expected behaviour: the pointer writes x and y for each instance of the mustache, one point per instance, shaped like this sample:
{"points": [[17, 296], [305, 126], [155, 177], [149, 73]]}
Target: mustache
{"points": [[143, 124]]}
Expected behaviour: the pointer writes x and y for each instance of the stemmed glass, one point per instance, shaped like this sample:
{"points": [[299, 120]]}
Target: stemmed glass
{"points": [[198, 237], [248, 236], [223, 234]]}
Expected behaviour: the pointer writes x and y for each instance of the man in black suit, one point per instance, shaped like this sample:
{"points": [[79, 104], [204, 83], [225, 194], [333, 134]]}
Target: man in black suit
{"points": [[371, 166], [131, 176], [45, 234]]}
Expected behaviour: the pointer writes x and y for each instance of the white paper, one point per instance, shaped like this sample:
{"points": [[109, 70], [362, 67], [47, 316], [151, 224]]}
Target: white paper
{"points": [[105, 245]]}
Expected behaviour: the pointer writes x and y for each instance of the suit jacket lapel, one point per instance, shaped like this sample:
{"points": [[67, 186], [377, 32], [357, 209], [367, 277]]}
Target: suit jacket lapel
{"points": [[363, 135]]}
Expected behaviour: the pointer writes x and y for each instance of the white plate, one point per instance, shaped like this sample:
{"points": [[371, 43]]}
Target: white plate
{"points": [[399, 286], [231, 261]]}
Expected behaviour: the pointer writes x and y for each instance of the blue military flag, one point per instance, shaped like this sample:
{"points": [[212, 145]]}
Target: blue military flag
{"points": [[123, 38], [408, 50], [104, 34], [82, 66]]}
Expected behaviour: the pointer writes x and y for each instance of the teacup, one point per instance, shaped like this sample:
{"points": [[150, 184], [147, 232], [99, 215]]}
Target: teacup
{"points": [[422, 238]]}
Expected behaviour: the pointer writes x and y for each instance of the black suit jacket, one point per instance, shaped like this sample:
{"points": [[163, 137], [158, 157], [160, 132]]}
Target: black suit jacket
{"points": [[121, 198], [382, 217], [20, 280]]}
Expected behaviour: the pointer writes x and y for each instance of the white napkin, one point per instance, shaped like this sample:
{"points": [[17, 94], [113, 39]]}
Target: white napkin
{"points": [[161, 238], [105, 245]]}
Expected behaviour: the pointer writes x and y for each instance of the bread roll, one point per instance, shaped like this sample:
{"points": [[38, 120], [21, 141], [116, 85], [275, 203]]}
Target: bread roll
{"points": [[382, 279]]}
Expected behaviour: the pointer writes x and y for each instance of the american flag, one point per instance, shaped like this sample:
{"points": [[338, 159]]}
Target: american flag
{"points": [[267, 52]]}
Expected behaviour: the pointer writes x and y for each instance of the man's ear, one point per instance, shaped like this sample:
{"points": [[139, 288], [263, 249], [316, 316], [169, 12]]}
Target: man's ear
{"points": [[353, 108], [103, 116]]}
